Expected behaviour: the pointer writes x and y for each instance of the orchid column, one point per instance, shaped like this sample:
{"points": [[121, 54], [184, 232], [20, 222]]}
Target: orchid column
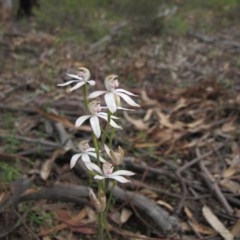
{"points": [[101, 169]]}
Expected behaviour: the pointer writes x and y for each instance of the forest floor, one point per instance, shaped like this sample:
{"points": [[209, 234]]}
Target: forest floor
{"points": [[183, 143]]}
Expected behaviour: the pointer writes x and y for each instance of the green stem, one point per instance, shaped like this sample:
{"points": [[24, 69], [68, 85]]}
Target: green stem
{"points": [[106, 128], [100, 226], [109, 199], [101, 188], [85, 95]]}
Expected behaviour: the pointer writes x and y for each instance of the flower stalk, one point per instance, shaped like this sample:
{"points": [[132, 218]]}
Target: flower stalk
{"points": [[104, 170]]}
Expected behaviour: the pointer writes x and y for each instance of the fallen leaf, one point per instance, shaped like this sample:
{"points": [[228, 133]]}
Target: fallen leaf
{"points": [[138, 123], [236, 229], [216, 223], [166, 205], [164, 121], [232, 186], [147, 100], [48, 164], [125, 215]]}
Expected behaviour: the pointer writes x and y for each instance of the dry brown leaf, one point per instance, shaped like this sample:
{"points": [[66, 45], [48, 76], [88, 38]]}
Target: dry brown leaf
{"points": [[195, 124], [138, 123], [216, 223], [48, 164], [166, 205], [149, 193], [146, 145], [229, 172], [182, 103], [228, 127], [164, 121], [232, 186], [195, 225], [188, 213], [61, 119], [115, 217], [75, 223], [147, 100], [166, 134], [236, 229], [125, 215], [148, 115], [234, 167]]}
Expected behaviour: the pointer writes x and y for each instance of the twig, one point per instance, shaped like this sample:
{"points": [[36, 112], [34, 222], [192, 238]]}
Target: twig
{"points": [[209, 179], [32, 140], [186, 166], [208, 39]]}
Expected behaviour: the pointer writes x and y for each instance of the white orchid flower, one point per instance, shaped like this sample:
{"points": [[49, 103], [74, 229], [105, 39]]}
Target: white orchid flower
{"points": [[112, 95], [107, 172], [85, 153], [81, 78], [95, 110]]}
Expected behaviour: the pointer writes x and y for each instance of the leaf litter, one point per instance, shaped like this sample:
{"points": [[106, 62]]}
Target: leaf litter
{"points": [[190, 134]]}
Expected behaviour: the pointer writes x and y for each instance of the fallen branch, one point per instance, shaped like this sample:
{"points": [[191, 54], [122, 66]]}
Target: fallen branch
{"points": [[163, 222]]}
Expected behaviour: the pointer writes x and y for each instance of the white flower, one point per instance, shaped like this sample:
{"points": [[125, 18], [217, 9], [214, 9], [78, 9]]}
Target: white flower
{"points": [[107, 172], [95, 110], [85, 153], [112, 96], [79, 79]]}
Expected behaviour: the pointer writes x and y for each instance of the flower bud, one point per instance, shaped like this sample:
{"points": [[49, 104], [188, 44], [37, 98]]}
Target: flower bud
{"points": [[94, 107], [111, 82], [116, 157], [100, 202], [84, 73], [83, 145], [107, 168]]}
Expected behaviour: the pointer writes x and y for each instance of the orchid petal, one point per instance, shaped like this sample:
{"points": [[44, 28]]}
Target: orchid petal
{"points": [[102, 159], [91, 82], [81, 120], [125, 91], [126, 109], [66, 83], [96, 94], [110, 102], [127, 99], [94, 121], [74, 160], [107, 149], [122, 172], [74, 76], [98, 177], [93, 167], [115, 125], [119, 179], [93, 154], [78, 85], [105, 116], [85, 158], [91, 150]]}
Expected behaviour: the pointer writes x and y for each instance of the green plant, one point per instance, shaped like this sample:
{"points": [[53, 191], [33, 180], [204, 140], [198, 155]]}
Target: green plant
{"points": [[9, 172], [105, 168]]}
